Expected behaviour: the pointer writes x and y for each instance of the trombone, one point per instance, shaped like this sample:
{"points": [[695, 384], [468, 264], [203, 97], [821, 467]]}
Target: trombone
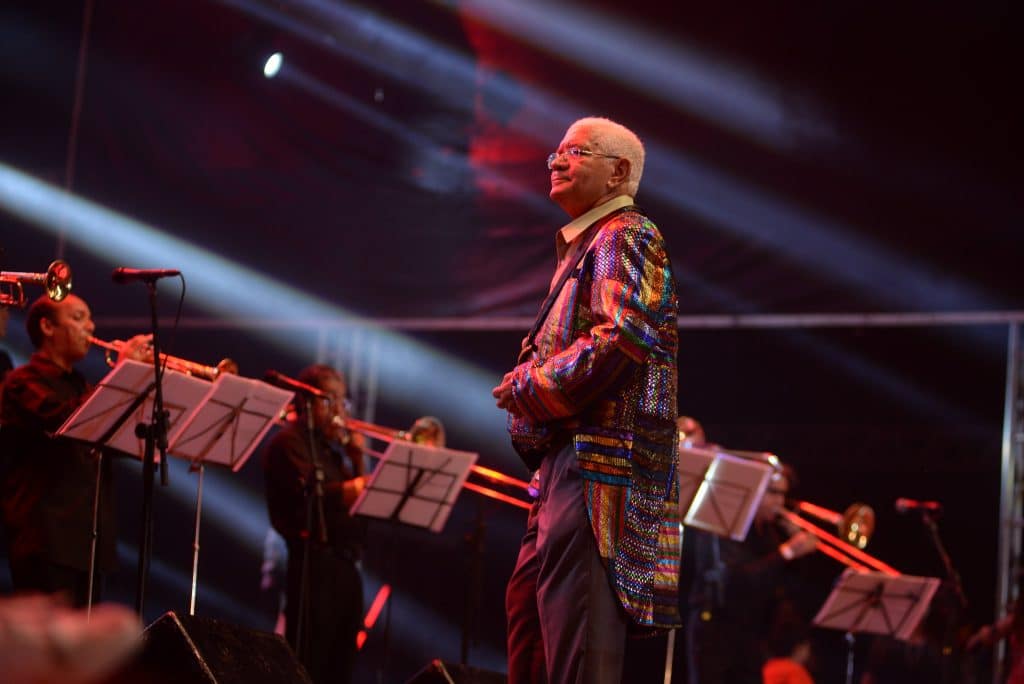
{"points": [[429, 430], [855, 526], [56, 281], [173, 362]]}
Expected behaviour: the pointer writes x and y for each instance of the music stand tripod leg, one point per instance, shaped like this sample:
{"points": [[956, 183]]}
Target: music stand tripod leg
{"points": [[97, 450], [851, 641], [195, 540], [95, 534]]}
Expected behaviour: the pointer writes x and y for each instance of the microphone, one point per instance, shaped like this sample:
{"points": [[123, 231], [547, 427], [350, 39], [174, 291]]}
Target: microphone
{"points": [[282, 380], [147, 275], [906, 505]]}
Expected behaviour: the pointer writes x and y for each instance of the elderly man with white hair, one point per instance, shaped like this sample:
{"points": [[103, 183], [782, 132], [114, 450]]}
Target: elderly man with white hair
{"points": [[592, 406]]}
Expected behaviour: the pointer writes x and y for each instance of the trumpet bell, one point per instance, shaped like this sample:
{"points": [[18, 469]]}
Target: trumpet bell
{"points": [[857, 524], [58, 280]]}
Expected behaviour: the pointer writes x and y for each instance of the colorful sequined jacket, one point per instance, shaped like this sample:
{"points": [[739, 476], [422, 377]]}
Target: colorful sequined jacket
{"points": [[604, 373]]}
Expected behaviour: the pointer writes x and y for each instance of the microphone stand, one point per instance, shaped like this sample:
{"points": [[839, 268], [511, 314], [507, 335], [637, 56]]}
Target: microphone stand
{"points": [[953, 577], [314, 511], [155, 436], [951, 572]]}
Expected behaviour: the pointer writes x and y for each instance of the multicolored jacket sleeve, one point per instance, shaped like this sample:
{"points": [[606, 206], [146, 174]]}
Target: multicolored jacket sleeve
{"points": [[627, 303]]}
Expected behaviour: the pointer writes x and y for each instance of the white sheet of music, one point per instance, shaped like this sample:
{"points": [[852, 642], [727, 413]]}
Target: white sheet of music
{"points": [[229, 422], [117, 391], [719, 492], [415, 484]]}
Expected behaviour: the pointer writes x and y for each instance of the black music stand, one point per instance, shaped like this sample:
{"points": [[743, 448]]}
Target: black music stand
{"points": [[719, 492], [415, 484], [875, 603], [225, 428], [103, 421]]}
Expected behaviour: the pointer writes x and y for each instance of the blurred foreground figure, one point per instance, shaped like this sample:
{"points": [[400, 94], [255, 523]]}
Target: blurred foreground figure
{"points": [[43, 641]]}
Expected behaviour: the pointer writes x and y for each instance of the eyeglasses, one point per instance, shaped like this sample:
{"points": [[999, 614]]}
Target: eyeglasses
{"points": [[576, 152], [337, 402]]}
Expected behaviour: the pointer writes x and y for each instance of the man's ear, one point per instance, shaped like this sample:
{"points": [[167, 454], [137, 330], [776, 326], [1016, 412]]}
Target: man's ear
{"points": [[46, 326], [621, 173]]}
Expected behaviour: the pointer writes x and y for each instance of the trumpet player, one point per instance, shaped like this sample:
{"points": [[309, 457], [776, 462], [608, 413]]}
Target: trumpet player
{"points": [[738, 592], [311, 480], [47, 485]]}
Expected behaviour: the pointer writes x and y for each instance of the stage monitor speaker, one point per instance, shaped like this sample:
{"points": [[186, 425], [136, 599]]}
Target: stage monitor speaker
{"points": [[440, 672], [194, 650]]}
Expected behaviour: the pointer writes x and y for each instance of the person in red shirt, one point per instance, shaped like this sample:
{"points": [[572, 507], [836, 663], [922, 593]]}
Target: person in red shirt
{"points": [[47, 485]]}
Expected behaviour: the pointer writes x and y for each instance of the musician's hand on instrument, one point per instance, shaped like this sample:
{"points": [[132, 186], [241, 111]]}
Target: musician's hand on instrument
{"points": [[787, 525], [983, 637], [503, 393], [138, 348], [356, 440], [800, 544], [351, 489]]}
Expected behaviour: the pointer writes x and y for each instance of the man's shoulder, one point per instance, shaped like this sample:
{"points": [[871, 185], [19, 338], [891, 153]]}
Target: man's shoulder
{"points": [[628, 230], [631, 219], [19, 376], [285, 441]]}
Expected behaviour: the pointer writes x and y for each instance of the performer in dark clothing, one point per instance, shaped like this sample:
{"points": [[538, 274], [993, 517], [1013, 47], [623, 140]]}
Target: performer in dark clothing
{"points": [[47, 485], [331, 617], [5, 365], [735, 594], [5, 358]]}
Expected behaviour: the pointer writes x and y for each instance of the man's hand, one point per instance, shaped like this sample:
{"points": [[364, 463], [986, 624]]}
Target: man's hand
{"points": [[503, 394], [351, 489], [138, 348], [800, 544]]}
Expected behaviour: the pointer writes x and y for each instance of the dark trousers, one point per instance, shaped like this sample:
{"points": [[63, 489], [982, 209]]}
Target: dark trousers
{"points": [[38, 573], [565, 623], [334, 615]]}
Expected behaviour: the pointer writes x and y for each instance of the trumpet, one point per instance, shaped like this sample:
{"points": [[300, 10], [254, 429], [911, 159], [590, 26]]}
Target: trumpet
{"points": [[173, 362], [56, 281], [855, 526]]}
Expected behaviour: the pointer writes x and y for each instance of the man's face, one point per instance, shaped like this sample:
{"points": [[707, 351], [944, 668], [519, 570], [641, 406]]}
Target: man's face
{"points": [[66, 335], [774, 498], [579, 183], [324, 410]]}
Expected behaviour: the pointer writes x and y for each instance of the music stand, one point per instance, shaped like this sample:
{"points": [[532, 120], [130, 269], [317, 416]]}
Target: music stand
{"points": [[719, 492], [876, 603], [103, 421], [224, 429], [415, 484], [126, 391]]}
